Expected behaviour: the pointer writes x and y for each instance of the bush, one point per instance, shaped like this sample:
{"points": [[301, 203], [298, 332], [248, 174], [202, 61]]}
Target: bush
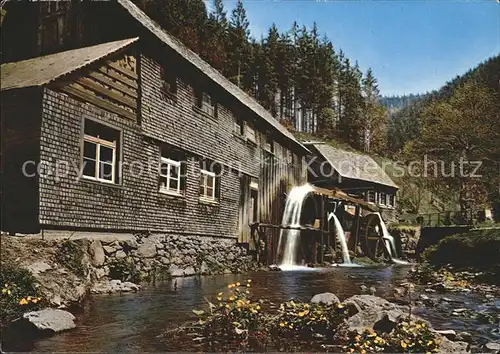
{"points": [[407, 337], [124, 269], [478, 249], [19, 292], [71, 256]]}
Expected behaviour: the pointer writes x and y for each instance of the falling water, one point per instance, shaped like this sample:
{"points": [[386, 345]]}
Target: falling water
{"points": [[291, 217], [339, 231], [389, 241]]}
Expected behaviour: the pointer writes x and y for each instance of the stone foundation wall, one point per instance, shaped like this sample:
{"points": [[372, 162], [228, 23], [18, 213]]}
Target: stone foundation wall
{"points": [[406, 237], [161, 255]]}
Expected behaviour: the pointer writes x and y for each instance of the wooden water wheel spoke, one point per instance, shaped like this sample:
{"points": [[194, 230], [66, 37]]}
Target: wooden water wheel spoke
{"points": [[371, 239]]}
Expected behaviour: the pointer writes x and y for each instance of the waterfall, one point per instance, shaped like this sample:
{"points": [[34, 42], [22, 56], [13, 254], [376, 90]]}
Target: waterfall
{"points": [[339, 231], [389, 241], [291, 217]]}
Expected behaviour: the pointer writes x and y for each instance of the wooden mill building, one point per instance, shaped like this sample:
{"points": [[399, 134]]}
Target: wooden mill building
{"points": [[111, 124], [356, 174]]}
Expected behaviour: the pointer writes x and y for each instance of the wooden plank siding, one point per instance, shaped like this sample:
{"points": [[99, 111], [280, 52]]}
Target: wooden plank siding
{"points": [[113, 86], [277, 176]]}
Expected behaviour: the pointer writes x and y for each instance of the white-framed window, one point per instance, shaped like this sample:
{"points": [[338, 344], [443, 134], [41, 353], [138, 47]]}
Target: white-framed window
{"points": [[206, 103], [239, 126], [382, 198], [100, 152], [391, 200], [250, 133], [370, 196], [170, 176], [208, 185]]}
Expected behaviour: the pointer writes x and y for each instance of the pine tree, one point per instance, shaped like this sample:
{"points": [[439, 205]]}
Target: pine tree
{"points": [[215, 51], [374, 116], [238, 44]]}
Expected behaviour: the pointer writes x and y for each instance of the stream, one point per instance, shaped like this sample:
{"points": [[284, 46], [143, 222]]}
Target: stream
{"points": [[131, 322]]}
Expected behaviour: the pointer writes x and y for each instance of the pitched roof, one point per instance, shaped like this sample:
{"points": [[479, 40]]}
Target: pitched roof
{"points": [[353, 165], [43, 70], [208, 70]]}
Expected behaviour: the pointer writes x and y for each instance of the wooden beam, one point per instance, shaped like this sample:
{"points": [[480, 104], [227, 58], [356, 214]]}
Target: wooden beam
{"points": [[89, 83], [115, 84], [117, 76], [123, 70], [78, 92]]}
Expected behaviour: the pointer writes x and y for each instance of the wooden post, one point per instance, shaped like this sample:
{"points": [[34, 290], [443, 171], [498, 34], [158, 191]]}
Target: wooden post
{"points": [[322, 227], [357, 217]]}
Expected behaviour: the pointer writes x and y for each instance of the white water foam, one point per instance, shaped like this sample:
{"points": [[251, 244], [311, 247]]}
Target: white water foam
{"points": [[291, 217]]}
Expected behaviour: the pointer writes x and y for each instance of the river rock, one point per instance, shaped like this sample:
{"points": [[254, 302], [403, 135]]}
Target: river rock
{"points": [[114, 286], [109, 250], [494, 346], [448, 346], [96, 253], [325, 298], [448, 333], [376, 319], [38, 267], [50, 320]]}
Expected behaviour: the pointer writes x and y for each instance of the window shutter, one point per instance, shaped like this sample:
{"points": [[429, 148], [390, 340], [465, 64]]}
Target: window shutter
{"points": [[183, 176]]}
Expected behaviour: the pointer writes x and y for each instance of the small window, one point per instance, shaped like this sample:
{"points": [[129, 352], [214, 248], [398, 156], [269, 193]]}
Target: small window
{"points": [[239, 126], [382, 198], [209, 181], [250, 133], [391, 198], [206, 103], [100, 152], [172, 172], [370, 196], [269, 145], [169, 81]]}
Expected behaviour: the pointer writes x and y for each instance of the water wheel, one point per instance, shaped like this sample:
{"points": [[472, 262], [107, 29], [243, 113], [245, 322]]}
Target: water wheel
{"points": [[371, 239]]}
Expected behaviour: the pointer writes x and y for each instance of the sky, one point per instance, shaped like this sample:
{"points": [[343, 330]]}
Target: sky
{"points": [[413, 46]]}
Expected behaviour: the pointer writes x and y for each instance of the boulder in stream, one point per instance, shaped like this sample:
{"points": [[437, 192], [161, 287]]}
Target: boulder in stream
{"points": [[49, 320], [325, 298]]}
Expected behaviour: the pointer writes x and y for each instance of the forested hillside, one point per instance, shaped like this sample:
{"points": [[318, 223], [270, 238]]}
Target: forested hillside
{"points": [[298, 75], [403, 125], [453, 134]]}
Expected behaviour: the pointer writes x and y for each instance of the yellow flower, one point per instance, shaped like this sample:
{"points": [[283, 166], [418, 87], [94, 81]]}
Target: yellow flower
{"points": [[418, 326], [231, 298], [219, 294], [219, 298], [8, 292], [403, 345], [258, 307], [230, 286], [301, 314], [357, 338], [363, 351], [35, 300], [238, 284], [249, 280], [23, 301], [282, 324], [291, 326], [227, 306], [340, 306], [351, 350], [430, 342], [248, 285], [248, 292]]}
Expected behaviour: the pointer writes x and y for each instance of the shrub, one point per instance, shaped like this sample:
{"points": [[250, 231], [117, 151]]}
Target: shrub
{"points": [[71, 256], [124, 269], [407, 337], [19, 292], [477, 249]]}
